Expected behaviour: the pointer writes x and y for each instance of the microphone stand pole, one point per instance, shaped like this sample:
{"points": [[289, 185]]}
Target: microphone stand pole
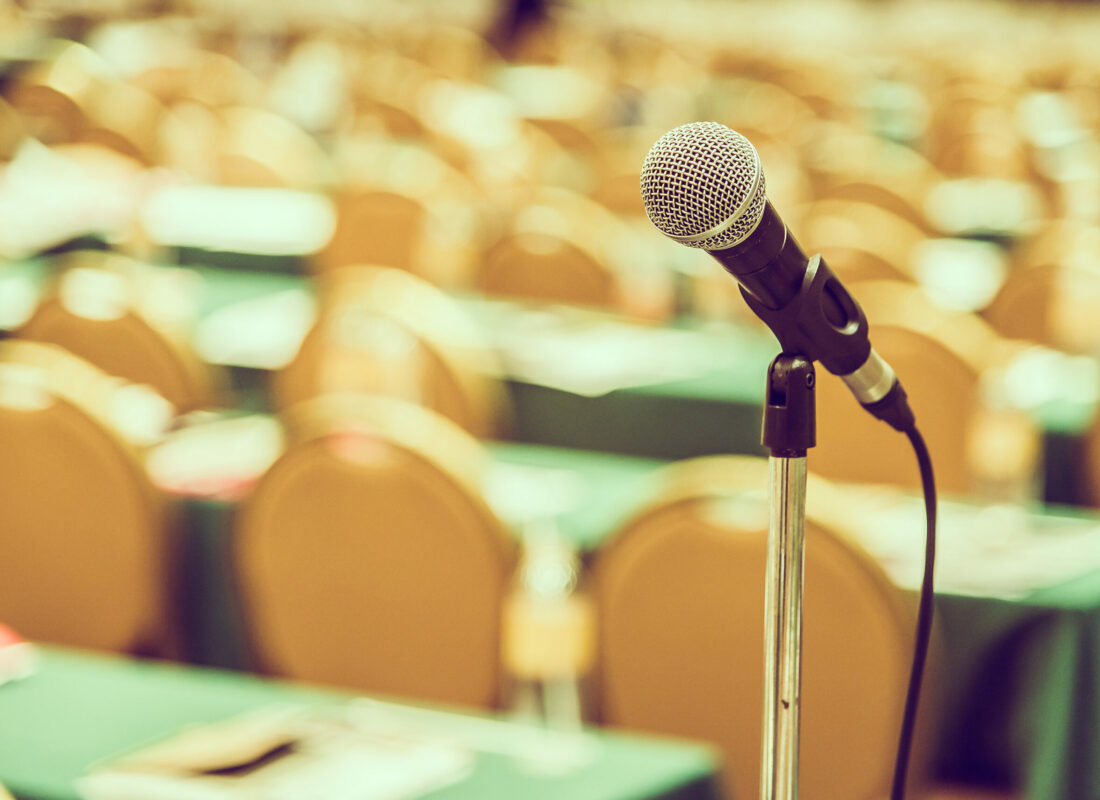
{"points": [[788, 431]]}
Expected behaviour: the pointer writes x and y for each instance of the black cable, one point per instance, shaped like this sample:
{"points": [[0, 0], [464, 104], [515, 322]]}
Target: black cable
{"points": [[924, 615]]}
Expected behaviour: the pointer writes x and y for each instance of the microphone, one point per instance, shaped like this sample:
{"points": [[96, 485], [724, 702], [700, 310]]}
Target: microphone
{"points": [[703, 186]]}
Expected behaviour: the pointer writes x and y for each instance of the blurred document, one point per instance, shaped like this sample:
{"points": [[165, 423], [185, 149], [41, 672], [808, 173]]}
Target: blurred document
{"points": [[988, 551], [282, 754], [596, 357]]}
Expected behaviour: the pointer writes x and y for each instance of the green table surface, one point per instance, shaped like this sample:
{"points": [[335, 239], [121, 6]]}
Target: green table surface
{"points": [[81, 709]]}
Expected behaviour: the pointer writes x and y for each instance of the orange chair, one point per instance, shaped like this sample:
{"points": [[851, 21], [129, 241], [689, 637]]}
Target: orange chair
{"points": [[940, 358], [374, 227], [260, 148], [12, 133], [842, 223], [84, 537], [547, 268], [52, 96], [368, 559], [905, 202], [680, 599], [105, 308], [384, 331], [1052, 304], [553, 250]]}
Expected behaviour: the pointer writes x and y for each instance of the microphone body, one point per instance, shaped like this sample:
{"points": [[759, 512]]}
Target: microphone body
{"points": [[801, 299]]}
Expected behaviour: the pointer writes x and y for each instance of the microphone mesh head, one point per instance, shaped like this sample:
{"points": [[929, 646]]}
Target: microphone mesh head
{"points": [[700, 177]]}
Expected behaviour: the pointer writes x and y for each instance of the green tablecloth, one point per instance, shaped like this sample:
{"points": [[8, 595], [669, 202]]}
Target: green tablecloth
{"points": [[1026, 689], [80, 709]]}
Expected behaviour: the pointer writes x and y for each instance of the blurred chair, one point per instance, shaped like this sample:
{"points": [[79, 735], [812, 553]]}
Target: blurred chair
{"points": [[554, 249], [618, 192], [973, 131], [835, 155], [1059, 241], [381, 330], [260, 148], [52, 95], [127, 319], [374, 227], [125, 119], [220, 81], [939, 356], [1091, 464], [84, 537], [680, 599], [904, 202], [1030, 303], [546, 267], [310, 85], [863, 226], [368, 558], [1052, 295], [562, 153], [12, 132], [454, 51], [622, 150], [403, 202], [853, 264]]}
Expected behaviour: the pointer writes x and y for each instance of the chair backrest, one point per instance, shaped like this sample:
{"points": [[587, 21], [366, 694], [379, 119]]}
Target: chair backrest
{"points": [[384, 331], [557, 247], [905, 204], [374, 227], [262, 148], [367, 557], [944, 394], [546, 268], [98, 311], [853, 264], [83, 535], [834, 222], [680, 597], [52, 95], [1052, 304], [938, 356]]}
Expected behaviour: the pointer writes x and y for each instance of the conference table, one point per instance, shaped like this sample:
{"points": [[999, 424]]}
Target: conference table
{"points": [[1018, 598], [64, 728]]}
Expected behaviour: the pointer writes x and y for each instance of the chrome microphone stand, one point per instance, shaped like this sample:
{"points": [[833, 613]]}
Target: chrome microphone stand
{"points": [[789, 430]]}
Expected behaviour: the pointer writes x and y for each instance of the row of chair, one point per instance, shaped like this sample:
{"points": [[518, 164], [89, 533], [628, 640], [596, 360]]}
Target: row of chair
{"points": [[367, 557], [840, 179], [382, 330]]}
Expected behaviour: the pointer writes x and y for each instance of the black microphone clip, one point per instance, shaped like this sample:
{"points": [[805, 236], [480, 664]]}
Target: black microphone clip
{"points": [[823, 322]]}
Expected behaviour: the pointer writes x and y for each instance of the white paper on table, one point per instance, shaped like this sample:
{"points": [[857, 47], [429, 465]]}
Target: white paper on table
{"points": [[330, 760], [596, 358], [991, 551], [520, 493], [215, 453], [262, 333], [547, 752]]}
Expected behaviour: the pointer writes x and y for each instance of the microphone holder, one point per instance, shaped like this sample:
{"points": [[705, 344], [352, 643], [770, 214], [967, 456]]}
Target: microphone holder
{"points": [[789, 430]]}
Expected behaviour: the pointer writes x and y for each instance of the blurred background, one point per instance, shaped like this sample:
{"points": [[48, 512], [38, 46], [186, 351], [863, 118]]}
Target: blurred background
{"points": [[336, 346]]}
